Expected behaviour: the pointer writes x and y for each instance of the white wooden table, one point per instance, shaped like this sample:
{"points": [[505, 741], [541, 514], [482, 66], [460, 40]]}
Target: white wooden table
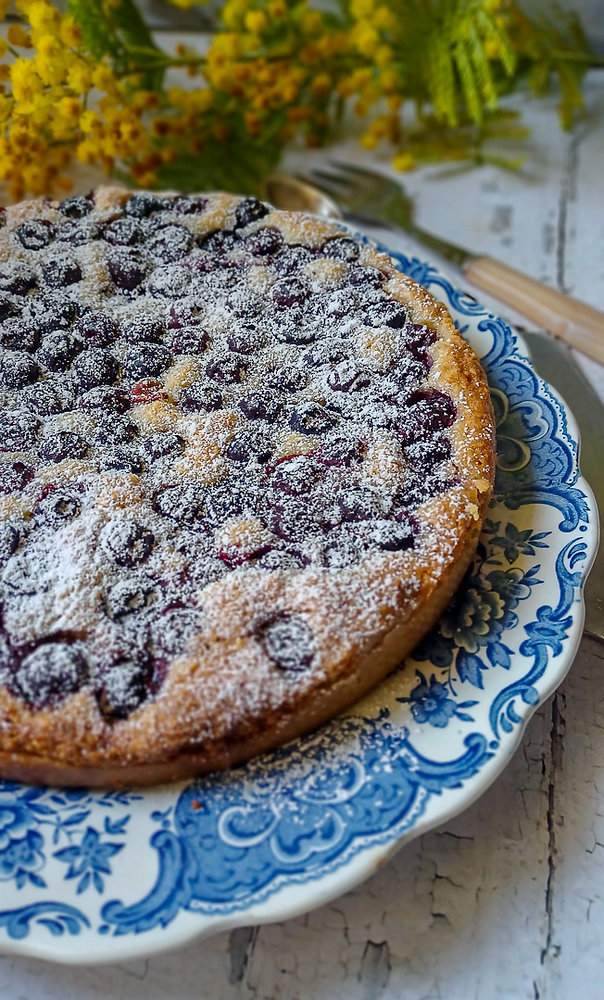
{"points": [[507, 900]]}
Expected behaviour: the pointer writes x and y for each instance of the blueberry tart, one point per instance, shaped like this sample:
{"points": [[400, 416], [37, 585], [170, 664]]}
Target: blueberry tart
{"points": [[244, 464]]}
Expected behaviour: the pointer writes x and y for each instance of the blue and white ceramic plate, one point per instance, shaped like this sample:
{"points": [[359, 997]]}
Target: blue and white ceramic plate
{"points": [[92, 877]]}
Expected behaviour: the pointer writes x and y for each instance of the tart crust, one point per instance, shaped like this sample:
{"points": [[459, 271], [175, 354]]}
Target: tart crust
{"points": [[223, 700]]}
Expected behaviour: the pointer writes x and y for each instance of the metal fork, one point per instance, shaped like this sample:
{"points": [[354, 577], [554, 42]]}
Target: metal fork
{"points": [[371, 197]]}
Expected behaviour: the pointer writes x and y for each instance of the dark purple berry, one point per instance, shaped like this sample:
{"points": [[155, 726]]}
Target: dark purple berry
{"points": [[227, 501], [76, 207], [218, 243], [143, 327], [358, 503], [429, 453], [391, 536], [97, 329], [364, 275], [190, 340], [279, 559], [50, 673], [287, 640], [144, 204], [18, 431], [124, 232], [287, 379], [341, 248], [227, 370], [129, 596], [9, 540], [16, 335], [387, 313], [290, 259], [62, 445], [54, 312], [95, 367], [171, 244], [250, 210], [58, 349], [246, 340], [200, 397], [35, 234], [127, 270], [182, 315], [185, 504], [260, 406], [297, 475], [112, 430], [18, 279], [7, 308], [124, 686], [57, 508], [174, 630], [120, 460], [427, 410], [263, 242], [294, 520], [46, 398], [249, 446], [78, 233], [61, 272], [339, 550], [17, 369], [312, 418], [342, 451], [163, 444], [127, 543], [107, 398], [146, 361], [170, 282], [348, 376], [327, 352], [189, 204], [290, 292]]}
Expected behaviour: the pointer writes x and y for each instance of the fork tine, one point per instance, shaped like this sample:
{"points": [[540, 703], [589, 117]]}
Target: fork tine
{"points": [[328, 179], [359, 173]]}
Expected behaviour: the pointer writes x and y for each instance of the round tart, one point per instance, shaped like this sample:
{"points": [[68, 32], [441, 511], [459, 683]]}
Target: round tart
{"points": [[244, 464]]}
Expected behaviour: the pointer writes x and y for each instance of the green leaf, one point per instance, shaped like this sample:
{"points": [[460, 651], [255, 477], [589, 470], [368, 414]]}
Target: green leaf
{"points": [[237, 166], [468, 83], [99, 39], [121, 33]]}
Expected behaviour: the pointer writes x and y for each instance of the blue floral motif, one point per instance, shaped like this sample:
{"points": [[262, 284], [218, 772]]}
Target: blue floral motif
{"points": [[227, 842], [89, 859]]}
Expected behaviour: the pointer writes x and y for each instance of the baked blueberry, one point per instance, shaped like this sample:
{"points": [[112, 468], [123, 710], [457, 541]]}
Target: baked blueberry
{"points": [[388, 535], [359, 503], [59, 272], [126, 542], [188, 340], [124, 232], [287, 640], [50, 673], [9, 540], [127, 269], [17, 278], [76, 206], [144, 204], [58, 349], [263, 242], [123, 686], [290, 259], [146, 360], [17, 335], [342, 451], [97, 329], [35, 234], [170, 282], [312, 418], [185, 504], [246, 340], [287, 379], [46, 398], [260, 406], [95, 367], [249, 446], [218, 243], [227, 370], [19, 431], [7, 308], [61, 445], [348, 376], [120, 460], [250, 210], [17, 369], [290, 292], [129, 596], [170, 244], [142, 327], [57, 508], [366, 276], [107, 398], [341, 248], [114, 430], [201, 397], [161, 445], [297, 475], [54, 312], [428, 410], [189, 204]]}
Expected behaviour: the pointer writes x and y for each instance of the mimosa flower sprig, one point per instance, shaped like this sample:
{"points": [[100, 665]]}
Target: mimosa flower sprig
{"points": [[423, 77]]}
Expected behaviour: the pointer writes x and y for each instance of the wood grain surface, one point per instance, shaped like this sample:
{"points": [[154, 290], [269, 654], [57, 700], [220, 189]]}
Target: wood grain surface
{"points": [[507, 900]]}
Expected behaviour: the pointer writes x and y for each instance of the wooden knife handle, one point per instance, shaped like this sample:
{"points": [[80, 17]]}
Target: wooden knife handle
{"points": [[576, 323]]}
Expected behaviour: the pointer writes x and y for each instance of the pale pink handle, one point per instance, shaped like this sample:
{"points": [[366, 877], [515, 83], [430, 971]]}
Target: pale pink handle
{"points": [[576, 323]]}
